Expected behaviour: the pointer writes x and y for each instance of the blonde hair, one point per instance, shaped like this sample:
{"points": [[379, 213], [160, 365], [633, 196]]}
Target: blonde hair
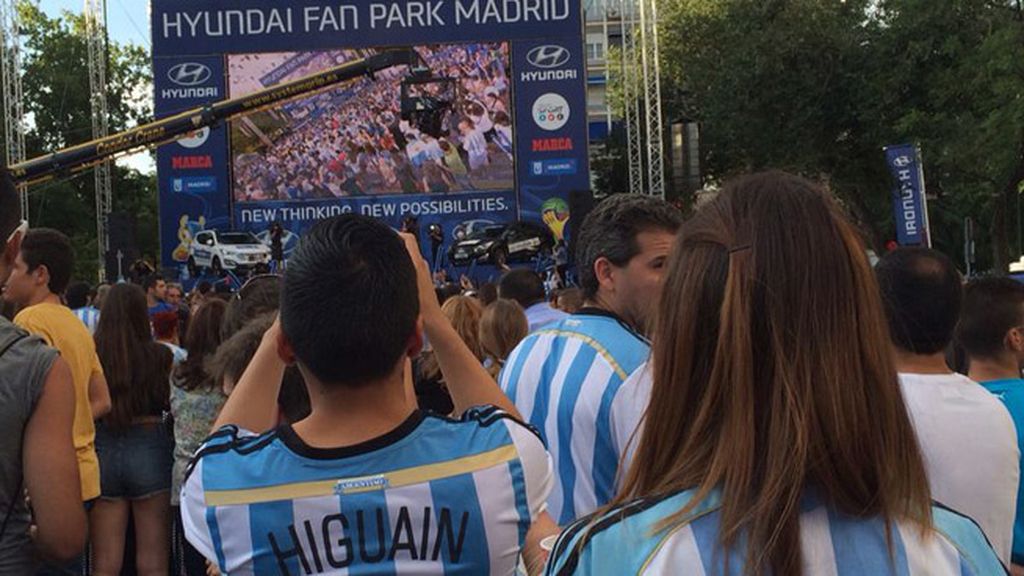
{"points": [[464, 313], [502, 326]]}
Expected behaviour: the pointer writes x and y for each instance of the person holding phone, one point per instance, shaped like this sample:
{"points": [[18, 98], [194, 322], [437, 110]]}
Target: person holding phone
{"points": [[367, 481]]}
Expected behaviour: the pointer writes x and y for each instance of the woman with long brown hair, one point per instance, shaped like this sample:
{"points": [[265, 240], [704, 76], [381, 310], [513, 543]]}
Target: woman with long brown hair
{"points": [[775, 440], [196, 399], [502, 326], [133, 446]]}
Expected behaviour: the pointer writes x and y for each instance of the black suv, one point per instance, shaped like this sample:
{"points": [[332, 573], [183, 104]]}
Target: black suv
{"points": [[501, 243]]}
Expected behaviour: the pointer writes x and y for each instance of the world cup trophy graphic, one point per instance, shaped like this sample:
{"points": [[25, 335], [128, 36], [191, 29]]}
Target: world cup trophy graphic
{"points": [[555, 213]]}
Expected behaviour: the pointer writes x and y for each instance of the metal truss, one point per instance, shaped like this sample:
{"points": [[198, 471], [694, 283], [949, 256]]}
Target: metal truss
{"points": [[14, 127], [96, 38]]}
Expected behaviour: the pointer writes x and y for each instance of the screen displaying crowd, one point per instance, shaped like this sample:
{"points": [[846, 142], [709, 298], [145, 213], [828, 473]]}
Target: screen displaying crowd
{"points": [[353, 141]]}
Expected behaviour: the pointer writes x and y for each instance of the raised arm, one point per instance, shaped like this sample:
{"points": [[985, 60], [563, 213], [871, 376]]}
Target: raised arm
{"points": [[468, 383]]}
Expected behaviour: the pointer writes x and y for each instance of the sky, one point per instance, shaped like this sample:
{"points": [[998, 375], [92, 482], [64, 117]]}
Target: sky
{"points": [[127, 22]]}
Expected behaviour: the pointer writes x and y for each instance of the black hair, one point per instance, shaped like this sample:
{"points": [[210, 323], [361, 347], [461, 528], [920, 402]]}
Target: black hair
{"points": [[151, 280], [77, 295], [524, 286], [610, 231], [50, 248], [349, 304], [922, 293], [992, 307], [10, 205]]}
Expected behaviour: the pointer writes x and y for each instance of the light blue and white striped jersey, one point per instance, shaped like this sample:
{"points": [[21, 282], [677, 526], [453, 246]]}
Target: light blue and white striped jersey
{"points": [[623, 542], [564, 379], [89, 316], [435, 496]]}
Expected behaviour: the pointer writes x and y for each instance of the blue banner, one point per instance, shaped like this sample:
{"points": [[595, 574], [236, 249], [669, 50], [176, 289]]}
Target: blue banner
{"points": [[910, 207], [193, 172]]}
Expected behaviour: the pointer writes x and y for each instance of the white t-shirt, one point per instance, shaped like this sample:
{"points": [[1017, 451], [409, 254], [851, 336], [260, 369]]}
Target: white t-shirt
{"points": [[970, 450]]}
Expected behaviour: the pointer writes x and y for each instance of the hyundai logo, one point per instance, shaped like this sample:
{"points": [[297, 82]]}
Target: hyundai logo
{"points": [[548, 56], [189, 74], [901, 161]]}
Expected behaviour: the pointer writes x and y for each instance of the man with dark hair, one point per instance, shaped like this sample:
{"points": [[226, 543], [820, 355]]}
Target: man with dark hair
{"points": [[567, 377], [37, 414], [367, 481], [966, 436], [156, 294], [991, 332], [527, 288], [40, 275], [79, 298]]}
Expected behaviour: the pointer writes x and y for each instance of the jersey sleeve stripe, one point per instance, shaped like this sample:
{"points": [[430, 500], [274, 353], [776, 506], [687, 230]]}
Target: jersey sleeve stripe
{"points": [[968, 539], [392, 479]]}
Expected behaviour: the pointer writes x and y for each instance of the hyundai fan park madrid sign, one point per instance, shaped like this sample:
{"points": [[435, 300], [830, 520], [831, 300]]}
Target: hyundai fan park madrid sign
{"points": [[500, 133]]}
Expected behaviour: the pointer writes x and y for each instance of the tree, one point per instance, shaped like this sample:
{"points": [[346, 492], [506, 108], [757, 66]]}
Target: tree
{"points": [[820, 87], [57, 105]]}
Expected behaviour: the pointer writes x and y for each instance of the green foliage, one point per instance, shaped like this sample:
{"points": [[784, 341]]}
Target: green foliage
{"points": [[819, 87], [55, 83]]}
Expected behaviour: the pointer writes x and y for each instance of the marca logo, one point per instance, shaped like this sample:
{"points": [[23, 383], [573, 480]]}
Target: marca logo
{"points": [[548, 56], [551, 144], [191, 162], [189, 74]]}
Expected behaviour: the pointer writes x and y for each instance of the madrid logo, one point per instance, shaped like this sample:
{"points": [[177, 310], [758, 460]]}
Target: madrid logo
{"points": [[189, 74], [550, 111]]}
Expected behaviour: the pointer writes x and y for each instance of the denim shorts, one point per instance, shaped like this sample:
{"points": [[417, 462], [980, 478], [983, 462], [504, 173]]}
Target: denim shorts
{"points": [[136, 462]]}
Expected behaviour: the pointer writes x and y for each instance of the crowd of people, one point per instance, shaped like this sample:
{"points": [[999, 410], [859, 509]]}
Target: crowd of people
{"points": [[354, 140], [739, 392]]}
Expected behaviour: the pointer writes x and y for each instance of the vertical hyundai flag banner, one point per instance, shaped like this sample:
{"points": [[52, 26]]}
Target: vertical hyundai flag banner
{"points": [[910, 205], [509, 143]]}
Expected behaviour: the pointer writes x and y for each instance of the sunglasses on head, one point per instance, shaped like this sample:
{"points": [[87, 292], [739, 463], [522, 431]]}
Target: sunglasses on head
{"points": [[22, 228]]}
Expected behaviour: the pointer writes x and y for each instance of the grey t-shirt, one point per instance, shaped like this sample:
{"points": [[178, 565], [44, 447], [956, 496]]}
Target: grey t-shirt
{"points": [[23, 370]]}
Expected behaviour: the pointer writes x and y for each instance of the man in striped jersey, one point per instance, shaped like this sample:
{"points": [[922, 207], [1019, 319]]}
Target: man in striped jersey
{"points": [[78, 297], [367, 484], [565, 378]]}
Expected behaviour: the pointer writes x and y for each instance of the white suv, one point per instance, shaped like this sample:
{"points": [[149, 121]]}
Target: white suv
{"points": [[226, 251]]}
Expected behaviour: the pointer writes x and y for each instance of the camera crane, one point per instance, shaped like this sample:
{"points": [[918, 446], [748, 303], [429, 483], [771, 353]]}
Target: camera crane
{"points": [[79, 158]]}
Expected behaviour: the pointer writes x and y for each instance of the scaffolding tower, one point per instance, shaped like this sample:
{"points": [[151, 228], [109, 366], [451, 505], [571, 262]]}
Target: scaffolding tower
{"points": [[96, 38], [651, 84], [14, 127], [639, 79]]}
